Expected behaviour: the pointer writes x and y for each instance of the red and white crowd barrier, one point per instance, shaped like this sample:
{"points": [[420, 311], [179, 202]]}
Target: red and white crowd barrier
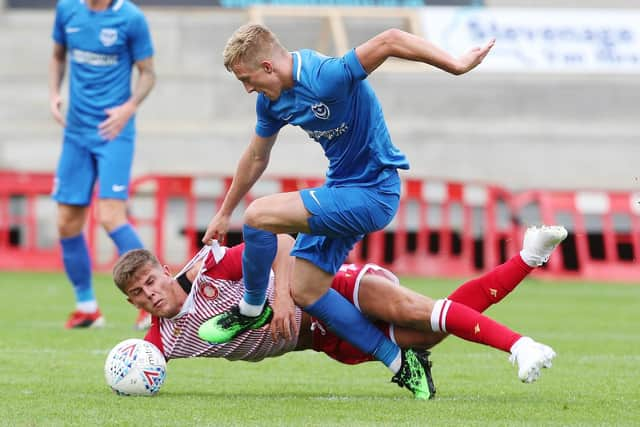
{"points": [[604, 227], [22, 197], [442, 228]]}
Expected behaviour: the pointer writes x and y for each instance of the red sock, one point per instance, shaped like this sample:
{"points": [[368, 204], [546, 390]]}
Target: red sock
{"points": [[466, 323], [481, 293]]}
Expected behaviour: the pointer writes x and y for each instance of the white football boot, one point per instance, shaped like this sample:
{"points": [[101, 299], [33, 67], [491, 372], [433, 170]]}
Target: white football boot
{"points": [[539, 243], [531, 357]]}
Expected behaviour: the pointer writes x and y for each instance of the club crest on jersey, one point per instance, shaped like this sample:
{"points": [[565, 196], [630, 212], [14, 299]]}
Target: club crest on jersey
{"points": [[209, 291], [321, 111], [108, 36]]}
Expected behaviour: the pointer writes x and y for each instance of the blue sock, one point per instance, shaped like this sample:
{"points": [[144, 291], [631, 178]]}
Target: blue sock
{"points": [[77, 264], [125, 238], [344, 319], [259, 252]]}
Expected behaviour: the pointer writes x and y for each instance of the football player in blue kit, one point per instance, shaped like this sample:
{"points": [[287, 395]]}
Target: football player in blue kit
{"points": [[331, 100], [103, 40]]}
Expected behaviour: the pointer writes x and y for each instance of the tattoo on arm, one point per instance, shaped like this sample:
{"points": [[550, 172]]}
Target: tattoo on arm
{"points": [[145, 82]]}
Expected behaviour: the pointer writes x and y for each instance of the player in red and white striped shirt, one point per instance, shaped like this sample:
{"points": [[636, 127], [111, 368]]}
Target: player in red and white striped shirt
{"points": [[212, 282]]}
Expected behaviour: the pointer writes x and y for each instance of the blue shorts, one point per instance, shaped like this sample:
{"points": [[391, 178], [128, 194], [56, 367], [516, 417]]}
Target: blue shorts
{"points": [[87, 157], [341, 216]]}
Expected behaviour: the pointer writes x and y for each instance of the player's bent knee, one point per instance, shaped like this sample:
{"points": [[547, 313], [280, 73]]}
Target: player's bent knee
{"points": [[69, 225], [304, 298], [253, 216], [70, 229], [261, 214], [300, 299], [110, 220]]}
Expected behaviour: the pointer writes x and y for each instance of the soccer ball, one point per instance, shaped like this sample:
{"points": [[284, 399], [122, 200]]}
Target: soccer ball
{"points": [[135, 367]]}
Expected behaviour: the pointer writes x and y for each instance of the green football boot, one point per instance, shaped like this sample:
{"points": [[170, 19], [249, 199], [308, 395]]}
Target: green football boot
{"points": [[228, 325], [415, 374]]}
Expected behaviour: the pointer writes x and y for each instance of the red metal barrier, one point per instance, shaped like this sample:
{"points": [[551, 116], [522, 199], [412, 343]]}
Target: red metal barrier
{"points": [[441, 228], [175, 236], [155, 192], [25, 244], [22, 245], [604, 232]]}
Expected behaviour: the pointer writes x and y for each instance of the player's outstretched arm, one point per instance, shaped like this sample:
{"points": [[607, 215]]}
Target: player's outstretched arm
{"points": [[252, 164], [400, 44]]}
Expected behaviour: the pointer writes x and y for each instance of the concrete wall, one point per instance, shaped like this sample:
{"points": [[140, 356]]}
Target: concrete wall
{"points": [[520, 131]]}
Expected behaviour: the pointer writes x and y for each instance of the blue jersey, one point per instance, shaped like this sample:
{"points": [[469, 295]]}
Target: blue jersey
{"points": [[102, 48], [336, 106]]}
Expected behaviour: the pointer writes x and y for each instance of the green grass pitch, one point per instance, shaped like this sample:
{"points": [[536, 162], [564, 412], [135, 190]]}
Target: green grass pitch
{"points": [[53, 377]]}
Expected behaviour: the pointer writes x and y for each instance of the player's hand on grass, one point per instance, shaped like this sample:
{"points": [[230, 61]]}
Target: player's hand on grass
{"points": [[474, 57], [283, 324], [55, 104], [117, 118], [217, 229]]}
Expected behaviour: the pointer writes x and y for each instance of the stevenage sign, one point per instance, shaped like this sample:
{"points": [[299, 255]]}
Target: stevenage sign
{"points": [[541, 40]]}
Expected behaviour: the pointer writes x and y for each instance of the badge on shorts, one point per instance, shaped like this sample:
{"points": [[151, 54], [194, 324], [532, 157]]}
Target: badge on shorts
{"points": [[108, 36]]}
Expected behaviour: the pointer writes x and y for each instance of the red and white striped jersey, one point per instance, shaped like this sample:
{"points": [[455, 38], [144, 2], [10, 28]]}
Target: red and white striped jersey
{"points": [[217, 287]]}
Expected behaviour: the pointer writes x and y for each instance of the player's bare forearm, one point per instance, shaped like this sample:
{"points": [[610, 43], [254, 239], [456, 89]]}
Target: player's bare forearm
{"points": [[146, 81], [400, 44], [56, 75], [252, 164]]}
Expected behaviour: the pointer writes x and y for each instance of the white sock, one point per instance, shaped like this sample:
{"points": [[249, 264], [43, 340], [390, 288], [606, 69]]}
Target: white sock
{"points": [[439, 315], [397, 362], [250, 310], [87, 306]]}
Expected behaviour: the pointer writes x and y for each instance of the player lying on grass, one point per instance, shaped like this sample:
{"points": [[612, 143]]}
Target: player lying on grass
{"points": [[212, 282]]}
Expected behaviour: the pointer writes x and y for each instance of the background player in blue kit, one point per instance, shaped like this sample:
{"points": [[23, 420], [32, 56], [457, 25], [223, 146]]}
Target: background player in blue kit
{"points": [[330, 99], [103, 40]]}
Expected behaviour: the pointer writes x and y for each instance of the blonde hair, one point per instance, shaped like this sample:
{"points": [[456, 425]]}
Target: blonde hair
{"points": [[251, 44], [128, 265]]}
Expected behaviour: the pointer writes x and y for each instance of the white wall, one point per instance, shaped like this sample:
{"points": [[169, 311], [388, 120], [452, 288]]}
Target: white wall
{"points": [[517, 130]]}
